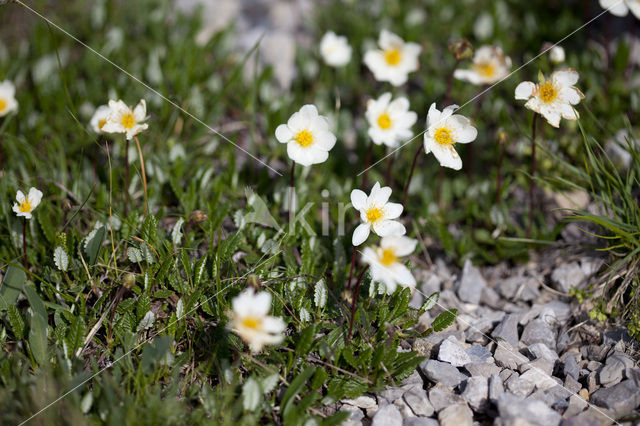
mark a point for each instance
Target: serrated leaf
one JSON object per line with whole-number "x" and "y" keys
{"x": 306, "y": 340}
{"x": 147, "y": 321}
{"x": 320, "y": 294}
{"x": 75, "y": 336}
{"x": 93, "y": 245}
{"x": 147, "y": 254}
{"x": 134, "y": 255}
{"x": 444, "y": 320}
{"x": 305, "y": 316}
{"x": 176, "y": 232}
{"x": 180, "y": 309}
{"x": 199, "y": 269}
{"x": 60, "y": 258}
{"x": 269, "y": 383}
{"x": 251, "y": 395}
{"x": 16, "y": 321}
{"x": 162, "y": 294}
{"x": 430, "y": 302}
{"x": 142, "y": 307}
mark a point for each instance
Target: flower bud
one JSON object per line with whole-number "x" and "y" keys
{"x": 461, "y": 49}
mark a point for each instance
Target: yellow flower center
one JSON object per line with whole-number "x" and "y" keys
{"x": 548, "y": 92}
{"x": 487, "y": 69}
{"x": 388, "y": 257}
{"x": 384, "y": 121}
{"x": 128, "y": 121}
{"x": 25, "y": 206}
{"x": 3, "y": 104}
{"x": 251, "y": 322}
{"x": 374, "y": 214}
{"x": 392, "y": 56}
{"x": 444, "y": 136}
{"x": 101, "y": 123}
{"x": 304, "y": 138}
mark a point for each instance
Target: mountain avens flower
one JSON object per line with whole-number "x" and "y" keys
{"x": 335, "y": 50}
{"x": 622, "y": 8}
{"x": 444, "y": 130}
{"x": 557, "y": 55}
{"x": 252, "y": 322}
{"x": 377, "y": 213}
{"x": 389, "y": 120}
{"x": 489, "y": 66}
{"x": 8, "y": 101}
{"x": 307, "y": 136}
{"x": 26, "y": 204}
{"x": 385, "y": 262}
{"x": 553, "y": 98}
{"x": 99, "y": 118}
{"x": 394, "y": 60}
{"x": 125, "y": 119}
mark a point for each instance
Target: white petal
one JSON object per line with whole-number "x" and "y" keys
{"x": 571, "y": 95}
{"x": 403, "y": 246}
{"x": 402, "y": 275}
{"x": 568, "y": 112}
{"x": 385, "y": 228}
{"x": 358, "y": 199}
{"x": 283, "y": 133}
{"x": 325, "y": 140}
{"x": 360, "y": 234}
{"x": 553, "y": 118}
{"x": 566, "y": 78}
{"x": 616, "y": 7}
{"x": 468, "y": 75}
{"x": 273, "y": 325}
{"x": 379, "y": 196}
{"x": 466, "y": 134}
{"x": 446, "y": 156}
{"x": 34, "y": 197}
{"x": 525, "y": 90}
{"x": 297, "y": 122}
{"x": 299, "y": 154}
{"x": 392, "y": 210}
{"x": 433, "y": 116}
{"x": 20, "y": 197}
{"x": 262, "y": 304}
{"x": 140, "y": 111}
{"x": 309, "y": 111}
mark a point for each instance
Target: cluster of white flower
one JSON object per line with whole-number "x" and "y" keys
{"x": 118, "y": 117}
{"x": 8, "y": 101}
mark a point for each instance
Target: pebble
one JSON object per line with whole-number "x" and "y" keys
{"x": 576, "y": 406}
{"x": 441, "y": 399}
{"x": 363, "y": 401}
{"x": 404, "y": 408}
{"x": 570, "y": 367}
{"x": 620, "y": 334}
{"x": 540, "y": 350}
{"x": 482, "y": 369}
{"x": 476, "y": 392}
{"x": 508, "y": 357}
{"x": 389, "y": 415}
{"x": 539, "y": 331}
{"x": 452, "y": 352}
{"x": 541, "y": 364}
{"x": 572, "y": 384}
{"x": 479, "y": 354}
{"x": 419, "y": 402}
{"x": 519, "y": 411}
{"x": 621, "y": 399}
{"x": 496, "y": 388}
{"x": 613, "y": 369}
{"x": 539, "y": 378}
{"x": 442, "y": 372}
{"x": 519, "y": 386}
{"x": 456, "y": 415}
{"x": 420, "y": 421}
{"x": 471, "y": 284}
{"x": 568, "y": 276}
{"x": 507, "y": 330}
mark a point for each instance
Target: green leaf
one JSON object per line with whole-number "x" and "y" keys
{"x": 16, "y": 321}
{"x": 430, "y": 302}
{"x": 36, "y": 303}
{"x": 294, "y": 388}
{"x": 251, "y": 394}
{"x": 12, "y": 284}
{"x": 306, "y": 340}
{"x": 444, "y": 320}
{"x": 75, "y": 336}
{"x": 93, "y": 246}
{"x": 320, "y": 294}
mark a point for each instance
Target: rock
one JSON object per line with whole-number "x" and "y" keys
{"x": 594, "y": 365}
{"x": 633, "y": 374}
{"x": 507, "y": 330}
{"x": 519, "y": 411}
{"x": 620, "y": 334}
{"x": 541, "y": 364}
{"x": 568, "y": 276}
{"x": 570, "y": 367}
{"x": 576, "y": 406}
{"x": 519, "y": 386}
{"x": 441, "y": 399}
{"x": 491, "y": 298}
{"x": 479, "y": 354}
{"x": 540, "y": 350}
{"x": 592, "y": 382}
{"x": 414, "y": 378}
{"x": 388, "y": 415}
{"x": 519, "y": 288}
{"x": 480, "y": 327}
{"x": 476, "y": 392}
{"x": 595, "y": 352}
{"x": 483, "y": 369}
{"x": 363, "y": 401}
{"x": 590, "y": 417}
{"x": 613, "y": 369}
{"x": 456, "y": 415}
{"x": 404, "y": 408}
{"x": 496, "y": 388}
{"x": 508, "y": 357}
{"x": 539, "y": 331}
{"x": 471, "y": 284}
{"x": 442, "y": 372}
{"x": 420, "y": 421}
{"x": 392, "y": 393}
{"x": 419, "y": 402}
{"x": 539, "y": 378}
{"x": 452, "y": 352}
{"x": 428, "y": 346}
{"x": 572, "y": 384}
{"x": 355, "y": 414}
{"x": 621, "y": 399}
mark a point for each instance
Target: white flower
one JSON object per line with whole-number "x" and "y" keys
{"x": 621, "y": 8}
{"x": 335, "y": 50}
{"x": 376, "y": 212}
{"x": 99, "y": 118}
{"x": 8, "y": 101}
{"x": 489, "y": 66}
{"x": 390, "y": 121}
{"x": 395, "y": 59}
{"x": 26, "y": 205}
{"x": 252, "y": 322}
{"x": 307, "y": 136}
{"x": 124, "y": 119}
{"x": 445, "y": 129}
{"x": 556, "y": 54}
{"x": 552, "y": 98}
{"x": 385, "y": 264}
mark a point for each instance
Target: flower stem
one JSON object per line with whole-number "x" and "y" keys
{"x": 439, "y": 190}
{"x": 24, "y": 244}
{"x": 450, "y": 84}
{"x": 367, "y": 162}
{"x": 387, "y": 173}
{"x": 353, "y": 261}
{"x": 353, "y": 302}
{"x": 413, "y": 166}
{"x": 292, "y": 186}
{"x": 144, "y": 176}
{"x": 499, "y": 174}
{"x": 532, "y": 174}
{"x": 127, "y": 180}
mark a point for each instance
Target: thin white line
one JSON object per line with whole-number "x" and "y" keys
{"x": 151, "y": 89}
{"x": 492, "y": 86}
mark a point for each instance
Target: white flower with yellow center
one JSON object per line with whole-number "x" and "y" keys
{"x": 335, "y": 49}
{"x": 395, "y": 59}
{"x": 385, "y": 262}
{"x": 444, "y": 130}
{"x": 127, "y": 120}
{"x": 552, "y": 98}
{"x": 8, "y": 101}
{"x": 377, "y": 213}
{"x": 99, "y": 118}
{"x": 27, "y": 204}
{"x": 390, "y": 121}
{"x": 489, "y": 66}
{"x": 622, "y": 8}
{"x": 307, "y": 136}
{"x": 252, "y": 322}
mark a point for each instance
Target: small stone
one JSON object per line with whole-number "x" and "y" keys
{"x": 540, "y": 350}
{"x": 568, "y": 276}
{"x": 590, "y": 417}
{"x": 620, "y": 334}
{"x": 491, "y": 298}
{"x": 594, "y": 365}
{"x": 419, "y": 402}
{"x": 471, "y": 283}
{"x": 576, "y": 406}
{"x": 538, "y": 364}
{"x": 633, "y": 374}
{"x": 538, "y": 331}
{"x": 519, "y": 387}
{"x": 482, "y": 369}
{"x": 392, "y": 393}
{"x": 442, "y": 372}
{"x": 572, "y": 384}
{"x": 612, "y": 372}
{"x": 595, "y": 352}
{"x": 414, "y": 378}
{"x": 507, "y": 330}
{"x": 456, "y": 415}
{"x": 388, "y": 415}
{"x": 441, "y": 399}
{"x": 478, "y": 328}
{"x": 452, "y": 352}
{"x": 584, "y": 394}
{"x": 479, "y": 354}
{"x": 404, "y": 408}
{"x": 363, "y": 401}
{"x": 475, "y": 392}
{"x": 539, "y": 378}
{"x": 508, "y": 357}
{"x": 557, "y": 396}
{"x": 519, "y": 411}
{"x": 355, "y": 414}
{"x": 621, "y": 399}
{"x": 570, "y": 367}
{"x": 419, "y": 421}
{"x": 496, "y": 388}
{"x": 592, "y": 382}
{"x": 428, "y": 346}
